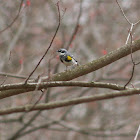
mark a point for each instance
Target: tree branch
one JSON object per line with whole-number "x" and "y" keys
{"x": 96, "y": 64}
{"x": 15, "y": 89}
{"x": 83, "y": 69}
{"x": 14, "y": 20}
{"x": 74, "y": 101}
{"x": 15, "y": 136}
{"x": 44, "y": 85}
{"x": 49, "y": 44}
{"x": 76, "y": 27}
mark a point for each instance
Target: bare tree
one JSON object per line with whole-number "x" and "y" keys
{"x": 99, "y": 99}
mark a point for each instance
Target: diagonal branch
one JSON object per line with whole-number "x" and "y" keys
{"x": 96, "y": 64}
{"x": 13, "y": 75}
{"x": 19, "y": 10}
{"x": 49, "y": 45}
{"x": 137, "y": 133}
{"x": 123, "y": 13}
{"x": 25, "y": 126}
{"x": 75, "y": 101}
{"x": 82, "y": 69}
{"x": 76, "y": 27}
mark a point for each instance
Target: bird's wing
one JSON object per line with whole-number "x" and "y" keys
{"x": 68, "y": 57}
{"x": 73, "y": 58}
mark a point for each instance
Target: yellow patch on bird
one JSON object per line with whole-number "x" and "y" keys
{"x": 69, "y": 58}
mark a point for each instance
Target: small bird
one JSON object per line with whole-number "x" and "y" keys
{"x": 66, "y": 58}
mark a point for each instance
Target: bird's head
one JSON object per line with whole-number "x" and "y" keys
{"x": 62, "y": 51}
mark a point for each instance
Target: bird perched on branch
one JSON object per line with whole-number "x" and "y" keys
{"x": 66, "y": 58}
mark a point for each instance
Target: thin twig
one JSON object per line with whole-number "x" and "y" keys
{"x": 80, "y": 130}
{"x": 123, "y": 13}
{"x": 36, "y": 128}
{"x": 74, "y": 101}
{"x": 18, "y": 133}
{"x": 137, "y": 133}
{"x": 49, "y": 45}
{"x": 129, "y": 36}
{"x": 13, "y": 76}
{"x": 28, "y": 123}
{"x": 76, "y": 27}
{"x": 14, "y": 20}
{"x": 5, "y": 78}
{"x": 63, "y": 117}
{"x": 43, "y": 92}
{"x": 133, "y": 62}
{"x": 136, "y": 22}
{"x": 131, "y": 28}
{"x": 131, "y": 49}
{"x": 133, "y": 69}
{"x": 126, "y": 16}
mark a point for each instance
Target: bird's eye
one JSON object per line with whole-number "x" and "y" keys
{"x": 62, "y": 51}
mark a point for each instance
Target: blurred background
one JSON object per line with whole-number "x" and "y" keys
{"x": 95, "y": 27}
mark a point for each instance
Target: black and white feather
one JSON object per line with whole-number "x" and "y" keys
{"x": 66, "y": 58}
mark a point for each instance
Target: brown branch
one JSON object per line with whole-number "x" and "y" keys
{"x": 126, "y": 16}
{"x": 76, "y": 27}
{"x": 133, "y": 62}
{"x": 137, "y": 22}
{"x": 36, "y": 128}
{"x": 88, "y": 131}
{"x": 80, "y": 130}
{"x": 28, "y": 123}
{"x": 63, "y": 117}
{"x": 13, "y": 76}
{"x": 82, "y": 69}
{"x": 133, "y": 68}
{"x": 40, "y": 97}
{"x": 131, "y": 23}
{"x": 11, "y": 90}
{"x": 14, "y": 20}
{"x": 75, "y": 101}
{"x": 49, "y": 45}
{"x": 96, "y": 64}
{"x": 132, "y": 73}
{"x": 84, "y": 131}
{"x": 129, "y": 35}
{"x": 43, "y": 85}
{"x": 123, "y": 13}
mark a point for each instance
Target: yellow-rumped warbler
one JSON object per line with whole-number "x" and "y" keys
{"x": 66, "y": 58}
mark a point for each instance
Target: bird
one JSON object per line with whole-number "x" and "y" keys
{"x": 66, "y": 58}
